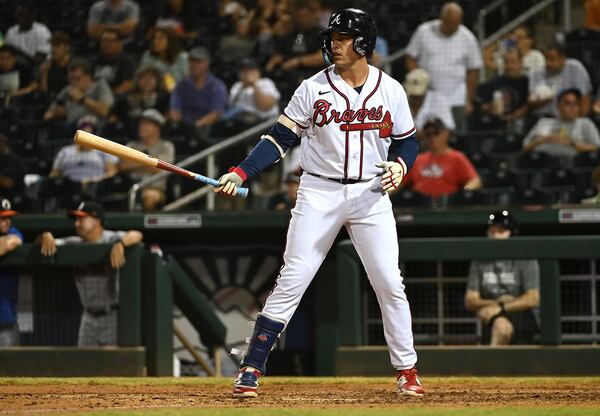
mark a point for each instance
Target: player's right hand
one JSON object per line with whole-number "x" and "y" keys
{"x": 228, "y": 184}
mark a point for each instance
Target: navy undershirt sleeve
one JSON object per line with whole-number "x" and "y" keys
{"x": 407, "y": 149}
{"x": 265, "y": 153}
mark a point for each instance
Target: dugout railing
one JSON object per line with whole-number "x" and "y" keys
{"x": 149, "y": 286}
{"x": 341, "y": 321}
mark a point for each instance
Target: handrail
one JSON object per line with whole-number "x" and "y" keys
{"x": 519, "y": 20}
{"x": 482, "y": 15}
{"x": 230, "y": 141}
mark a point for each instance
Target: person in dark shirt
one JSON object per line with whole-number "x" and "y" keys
{"x": 504, "y": 294}
{"x": 505, "y": 96}
{"x": 113, "y": 65}
{"x": 10, "y": 239}
{"x": 11, "y": 171}
{"x": 53, "y": 72}
{"x": 286, "y": 200}
{"x": 16, "y": 78}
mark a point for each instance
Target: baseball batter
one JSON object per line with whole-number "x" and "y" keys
{"x": 358, "y": 144}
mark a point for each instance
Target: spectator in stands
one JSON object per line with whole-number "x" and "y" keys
{"x": 178, "y": 16}
{"x": 148, "y": 92}
{"x": 592, "y": 14}
{"x": 286, "y": 200}
{"x": 532, "y": 59}
{"x": 16, "y": 77}
{"x": 198, "y": 100}
{"x": 120, "y": 15}
{"x": 596, "y": 181}
{"x": 560, "y": 73}
{"x": 165, "y": 54}
{"x": 273, "y": 21}
{"x": 504, "y": 294}
{"x": 505, "y": 96}
{"x": 28, "y": 36}
{"x": 83, "y": 96}
{"x": 441, "y": 170}
{"x": 150, "y": 142}
{"x": 12, "y": 171}
{"x": 53, "y": 72}
{"x": 425, "y": 103}
{"x": 252, "y": 98}
{"x": 10, "y": 239}
{"x": 450, "y": 53}
{"x": 565, "y": 135}
{"x": 82, "y": 165}
{"x": 596, "y": 108}
{"x": 112, "y": 65}
{"x": 98, "y": 285}
{"x": 241, "y": 44}
{"x": 298, "y": 52}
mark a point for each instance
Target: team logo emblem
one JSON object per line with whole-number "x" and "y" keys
{"x": 368, "y": 118}
{"x": 262, "y": 337}
{"x": 337, "y": 20}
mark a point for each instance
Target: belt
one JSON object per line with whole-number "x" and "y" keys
{"x": 101, "y": 311}
{"x": 342, "y": 181}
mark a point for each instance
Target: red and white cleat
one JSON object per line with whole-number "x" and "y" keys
{"x": 409, "y": 383}
{"x": 246, "y": 383}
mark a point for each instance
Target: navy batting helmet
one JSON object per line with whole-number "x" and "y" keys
{"x": 504, "y": 219}
{"x": 351, "y": 22}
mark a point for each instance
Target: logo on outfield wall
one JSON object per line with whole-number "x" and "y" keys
{"x": 237, "y": 279}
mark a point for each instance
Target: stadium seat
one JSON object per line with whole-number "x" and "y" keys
{"x": 586, "y": 160}
{"x": 498, "y": 187}
{"x": 530, "y": 196}
{"x": 465, "y": 198}
{"x": 408, "y": 198}
{"x": 560, "y": 185}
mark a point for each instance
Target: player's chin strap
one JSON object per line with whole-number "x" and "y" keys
{"x": 266, "y": 331}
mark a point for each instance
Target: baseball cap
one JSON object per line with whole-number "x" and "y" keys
{"x": 248, "y": 63}
{"x": 417, "y": 82}
{"x": 87, "y": 122}
{"x": 153, "y": 115}
{"x": 6, "y": 209}
{"x": 199, "y": 53}
{"x": 85, "y": 209}
{"x": 503, "y": 219}
{"x": 434, "y": 123}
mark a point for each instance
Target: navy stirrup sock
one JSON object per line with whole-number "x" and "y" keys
{"x": 266, "y": 332}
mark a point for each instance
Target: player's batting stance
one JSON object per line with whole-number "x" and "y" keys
{"x": 359, "y": 143}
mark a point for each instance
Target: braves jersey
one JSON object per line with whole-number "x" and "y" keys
{"x": 346, "y": 132}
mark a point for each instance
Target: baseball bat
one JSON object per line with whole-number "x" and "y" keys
{"x": 123, "y": 152}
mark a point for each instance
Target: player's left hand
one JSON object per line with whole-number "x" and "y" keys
{"x": 392, "y": 177}
{"x": 229, "y": 183}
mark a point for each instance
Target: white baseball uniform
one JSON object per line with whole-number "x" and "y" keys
{"x": 320, "y": 108}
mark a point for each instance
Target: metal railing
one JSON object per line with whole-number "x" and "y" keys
{"x": 208, "y": 154}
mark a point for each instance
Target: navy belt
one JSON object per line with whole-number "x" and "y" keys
{"x": 342, "y": 181}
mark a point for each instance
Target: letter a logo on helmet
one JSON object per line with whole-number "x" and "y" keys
{"x": 353, "y": 22}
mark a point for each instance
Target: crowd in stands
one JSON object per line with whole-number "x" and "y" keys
{"x": 172, "y": 77}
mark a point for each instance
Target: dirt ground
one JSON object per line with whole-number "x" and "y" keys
{"x": 20, "y": 399}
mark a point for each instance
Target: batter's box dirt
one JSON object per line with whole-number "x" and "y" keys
{"x": 33, "y": 396}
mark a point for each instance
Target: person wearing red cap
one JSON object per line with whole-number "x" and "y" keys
{"x": 10, "y": 239}
{"x": 98, "y": 285}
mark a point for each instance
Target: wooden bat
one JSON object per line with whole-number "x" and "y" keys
{"x": 123, "y": 152}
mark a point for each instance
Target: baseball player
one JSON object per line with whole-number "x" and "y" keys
{"x": 358, "y": 144}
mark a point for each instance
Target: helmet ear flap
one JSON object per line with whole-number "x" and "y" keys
{"x": 326, "y": 49}
{"x": 359, "y": 45}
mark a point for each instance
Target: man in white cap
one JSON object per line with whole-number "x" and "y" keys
{"x": 425, "y": 103}
{"x": 10, "y": 239}
{"x": 150, "y": 142}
